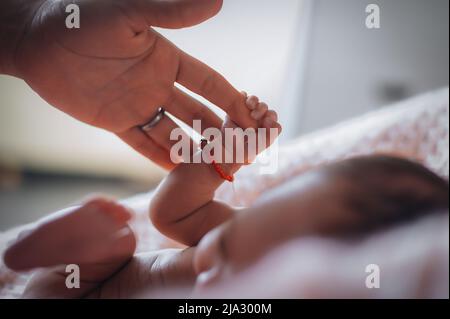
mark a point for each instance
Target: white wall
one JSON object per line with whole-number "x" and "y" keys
{"x": 350, "y": 69}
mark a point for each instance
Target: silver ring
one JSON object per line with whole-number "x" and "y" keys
{"x": 155, "y": 120}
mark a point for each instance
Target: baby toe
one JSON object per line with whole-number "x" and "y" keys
{"x": 252, "y": 102}
{"x": 260, "y": 111}
{"x": 273, "y": 115}
{"x": 268, "y": 122}
{"x": 108, "y": 208}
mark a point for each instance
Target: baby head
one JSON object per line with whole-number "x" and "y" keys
{"x": 384, "y": 191}
{"x": 354, "y": 197}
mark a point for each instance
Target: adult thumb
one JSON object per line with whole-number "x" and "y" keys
{"x": 175, "y": 14}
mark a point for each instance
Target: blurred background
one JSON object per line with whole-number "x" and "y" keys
{"x": 314, "y": 61}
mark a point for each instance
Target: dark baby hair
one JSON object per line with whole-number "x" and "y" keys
{"x": 387, "y": 191}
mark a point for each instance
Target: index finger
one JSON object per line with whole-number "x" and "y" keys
{"x": 203, "y": 80}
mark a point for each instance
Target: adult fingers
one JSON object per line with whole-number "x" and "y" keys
{"x": 156, "y": 142}
{"x": 188, "y": 109}
{"x": 166, "y": 133}
{"x": 175, "y": 14}
{"x": 146, "y": 146}
{"x": 203, "y": 80}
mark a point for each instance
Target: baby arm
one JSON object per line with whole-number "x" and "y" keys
{"x": 183, "y": 207}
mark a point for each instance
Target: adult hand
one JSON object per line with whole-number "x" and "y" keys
{"x": 164, "y": 273}
{"x": 114, "y": 72}
{"x": 95, "y": 236}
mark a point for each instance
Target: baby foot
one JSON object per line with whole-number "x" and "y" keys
{"x": 265, "y": 118}
{"x": 95, "y": 237}
{"x": 97, "y": 232}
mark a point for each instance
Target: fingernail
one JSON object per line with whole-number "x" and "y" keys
{"x": 268, "y": 122}
{"x": 255, "y": 115}
{"x": 274, "y": 116}
{"x": 250, "y": 105}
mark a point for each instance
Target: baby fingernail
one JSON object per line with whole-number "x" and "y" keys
{"x": 268, "y": 122}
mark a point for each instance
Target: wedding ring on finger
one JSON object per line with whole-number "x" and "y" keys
{"x": 155, "y": 120}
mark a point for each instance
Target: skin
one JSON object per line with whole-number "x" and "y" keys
{"x": 96, "y": 237}
{"x": 116, "y": 71}
{"x": 291, "y": 210}
{"x": 195, "y": 212}
{"x": 148, "y": 274}
{"x": 311, "y": 205}
{"x": 110, "y": 269}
